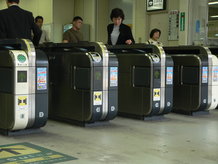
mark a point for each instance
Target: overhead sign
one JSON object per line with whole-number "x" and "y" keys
{"x": 182, "y": 21}
{"x": 27, "y": 153}
{"x": 173, "y": 31}
{"x": 153, "y": 5}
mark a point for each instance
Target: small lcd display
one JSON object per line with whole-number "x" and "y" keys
{"x": 97, "y": 75}
{"x": 22, "y": 76}
{"x": 157, "y": 74}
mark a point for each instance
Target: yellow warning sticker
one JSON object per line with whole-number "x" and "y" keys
{"x": 22, "y": 100}
{"x": 97, "y": 98}
{"x": 156, "y": 94}
{"x": 12, "y": 151}
{"x": 37, "y": 160}
{"x": 27, "y": 153}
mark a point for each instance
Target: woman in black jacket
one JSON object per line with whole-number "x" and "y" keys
{"x": 119, "y": 33}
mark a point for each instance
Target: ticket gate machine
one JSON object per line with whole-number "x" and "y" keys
{"x": 145, "y": 80}
{"x": 23, "y": 87}
{"x": 192, "y": 79}
{"x": 83, "y": 83}
{"x": 214, "y": 51}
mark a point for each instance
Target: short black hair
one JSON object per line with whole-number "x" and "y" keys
{"x": 38, "y": 17}
{"x": 153, "y": 31}
{"x": 77, "y": 18}
{"x": 117, "y": 12}
{"x": 16, "y": 1}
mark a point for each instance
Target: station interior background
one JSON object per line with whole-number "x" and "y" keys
{"x": 199, "y": 27}
{"x": 177, "y": 139}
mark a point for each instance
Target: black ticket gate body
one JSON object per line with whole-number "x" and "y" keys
{"x": 214, "y": 50}
{"x": 192, "y": 79}
{"x": 83, "y": 83}
{"x": 23, "y": 90}
{"x": 143, "y": 91}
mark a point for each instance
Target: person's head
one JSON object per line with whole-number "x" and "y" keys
{"x": 117, "y": 16}
{"x": 39, "y": 21}
{"x": 10, "y": 2}
{"x": 155, "y": 34}
{"x": 77, "y": 22}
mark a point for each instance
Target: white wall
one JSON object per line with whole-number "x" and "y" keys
{"x": 102, "y": 20}
{"x": 87, "y": 10}
{"x": 126, "y": 6}
{"x": 183, "y": 35}
{"x": 2, "y": 4}
{"x": 198, "y": 12}
{"x": 173, "y": 5}
{"x": 159, "y": 19}
{"x": 139, "y": 25}
{"x": 63, "y": 13}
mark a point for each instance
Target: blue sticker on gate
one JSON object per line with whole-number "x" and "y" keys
{"x": 169, "y": 76}
{"x": 113, "y": 76}
{"x": 204, "y": 74}
{"x": 215, "y": 74}
{"x": 41, "y": 78}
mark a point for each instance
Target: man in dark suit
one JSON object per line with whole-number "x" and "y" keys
{"x": 18, "y": 23}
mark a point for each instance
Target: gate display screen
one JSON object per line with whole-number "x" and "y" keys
{"x": 97, "y": 75}
{"x": 22, "y": 76}
{"x": 157, "y": 74}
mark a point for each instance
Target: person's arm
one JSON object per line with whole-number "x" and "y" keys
{"x": 147, "y": 42}
{"x": 160, "y": 44}
{"x": 36, "y": 32}
{"x": 130, "y": 39}
{"x": 66, "y": 37}
{"x": 65, "y": 41}
{"x": 2, "y": 28}
{"x": 109, "y": 35}
{"x": 46, "y": 37}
